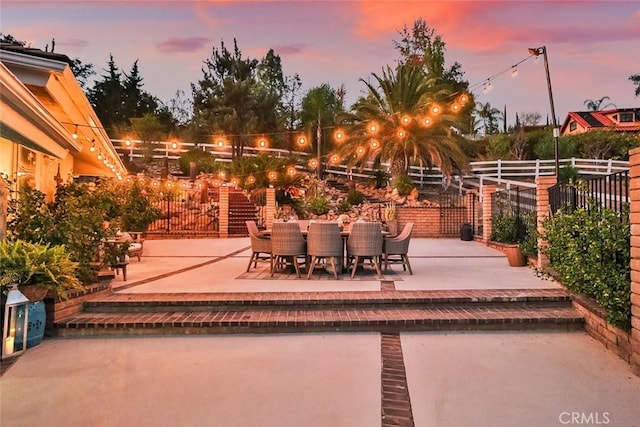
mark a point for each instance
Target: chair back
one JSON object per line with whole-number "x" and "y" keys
{"x": 365, "y": 239}
{"x": 324, "y": 239}
{"x": 399, "y": 245}
{"x": 287, "y": 239}
{"x": 258, "y": 243}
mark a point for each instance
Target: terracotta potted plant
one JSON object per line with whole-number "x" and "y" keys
{"x": 505, "y": 236}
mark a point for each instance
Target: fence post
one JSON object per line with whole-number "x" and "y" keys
{"x": 223, "y": 209}
{"x": 542, "y": 212}
{"x": 270, "y": 206}
{"x": 487, "y": 211}
{"x": 634, "y": 221}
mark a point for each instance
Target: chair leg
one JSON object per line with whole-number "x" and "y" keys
{"x": 376, "y": 263}
{"x": 273, "y": 265}
{"x": 295, "y": 265}
{"x": 354, "y": 267}
{"x": 406, "y": 258}
{"x": 332, "y": 260}
{"x": 386, "y": 262}
{"x": 314, "y": 259}
{"x": 250, "y": 261}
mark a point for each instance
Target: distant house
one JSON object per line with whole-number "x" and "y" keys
{"x": 618, "y": 119}
{"x": 48, "y": 130}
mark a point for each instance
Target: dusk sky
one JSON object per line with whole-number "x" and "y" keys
{"x": 593, "y": 46}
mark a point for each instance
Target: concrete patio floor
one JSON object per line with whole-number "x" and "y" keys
{"x": 454, "y": 379}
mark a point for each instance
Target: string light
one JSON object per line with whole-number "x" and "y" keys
{"x": 514, "y": 72}
{"x": 74, "y": 135}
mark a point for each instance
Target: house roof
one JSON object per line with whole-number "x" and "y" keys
{"x": 600, "y": 120}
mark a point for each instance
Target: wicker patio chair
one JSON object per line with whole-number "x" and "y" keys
{"x": 260, "y": 246}
{"x": 324, "y": 241}
{"x": 365, "y": 242}
{"x": 396, "y": 249}
{"x": 287, "y": 244}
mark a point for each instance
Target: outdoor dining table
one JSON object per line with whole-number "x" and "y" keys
{"x": 344, "y": 232}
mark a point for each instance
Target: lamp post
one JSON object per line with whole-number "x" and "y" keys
{"x": 556, "y": 132}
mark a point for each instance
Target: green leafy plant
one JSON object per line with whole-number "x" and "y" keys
{"x": 138, "y": 211}
{"x": 344, "y": 206}
{"x": 589, "y": 251}
{"x": 529, "y": 242}
{"x": 49, "y": 267}
{"x": 504, "y": 228}
{"x": 318, "y": 205}
{"x": 403, "y": 184}
{"x": 355, "y": 197}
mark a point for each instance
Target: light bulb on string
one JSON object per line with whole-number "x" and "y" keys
{"x": 74, "y": 135}
{"x": 514, "y": 72}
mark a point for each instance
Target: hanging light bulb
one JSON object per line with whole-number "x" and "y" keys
{"x": 374, "y": 144}
{"x": 291, "y": 170}
{"x": 338, "y": 135}
{"x": 427, "y": 121}
{"x": 360, "y": 151}
{"x": 487, "y": 86}
{"x": 435, "y": 109}
{"x": 464, "y": 98}
{"x": 406, "y": 119}
{"x": 174, "y": 145}
{"x": 455, "y": 107}
{"x": 272, "y": 175}
{"x": 514, "y": 72}
{"x": 127, "y": 142}
{"x": 302, "y": 140}
{"x": 93, "y": 146}
{"x": 313, "y": 163}
{"x": 99, "y": 155}
{"x": 373, "y": 127}
{"x": 401, "y": 133}
{"x": 75, "y": 133}
{"x": 251, "y": 179}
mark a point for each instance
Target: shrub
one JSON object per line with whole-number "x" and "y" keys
{"x": 403, "y": 184}
{"x": 355, "y": 197}
{"x": 318, "y": 205}
{"x": 379, "y": 179}
{"x": 589, "y": 249}
{"x": 344, "y": 206}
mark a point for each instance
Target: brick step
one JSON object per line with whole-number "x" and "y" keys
{"x": 295, "y": 320}
{"x": 327, "y": 300}
{"x": 278, "y": 312}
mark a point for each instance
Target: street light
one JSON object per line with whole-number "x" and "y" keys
{"x": 556, "y": 132}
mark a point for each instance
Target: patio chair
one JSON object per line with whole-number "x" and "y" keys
{"x": 287, "y": 244}
{"x": 324, "y": 241}
{"x": 260, "y": 246}
{"x": 396, "y": 249}
{"x": 135, "y": 244}
{"x": 365, "y": 242}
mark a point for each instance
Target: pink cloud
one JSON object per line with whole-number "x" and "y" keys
{"x": 290, "y": 49}
{"x": 72, "y": 43}
{"x": 179, "y": 45}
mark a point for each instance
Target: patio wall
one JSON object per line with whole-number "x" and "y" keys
{"x": 426, "y": 220}
{"x": 634, "y": 219}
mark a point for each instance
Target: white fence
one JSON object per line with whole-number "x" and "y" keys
{"x": 505, "y": 172}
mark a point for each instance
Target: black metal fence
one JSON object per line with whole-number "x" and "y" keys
{"x": 453, "y": 213}
{"x": 519, "y": 205}
{"x": 609, "y": 192}
{"x": 187, "y": 213}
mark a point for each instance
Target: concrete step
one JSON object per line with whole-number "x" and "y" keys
{"x": 386, "y": 311}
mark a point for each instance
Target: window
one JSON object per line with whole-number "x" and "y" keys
{"x": 573, "y": 126}
{"x": 626, "y": 117}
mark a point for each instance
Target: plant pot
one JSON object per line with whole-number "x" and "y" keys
{"x": 392, "y": 227}
{"x": 34, "y": 293}
{"x": 35, "y": 326}
{"x": 515, "y": 256}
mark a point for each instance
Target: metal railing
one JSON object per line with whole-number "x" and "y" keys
{"x": 609, "y": 192}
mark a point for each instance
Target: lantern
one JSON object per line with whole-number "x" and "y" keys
{"x": 16, "y": 315}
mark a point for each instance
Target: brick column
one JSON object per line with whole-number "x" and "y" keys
{"x": 270, "y": 206}
{"x": 634, "y": 220}
{"x": 542, "y": 212}
{"x": 487, "y": 211}
{"x": 471, "y": 210}
{"x": 223, "y": 208}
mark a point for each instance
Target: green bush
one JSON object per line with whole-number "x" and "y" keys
{"x": 344, "y": 206}
{"x": 379, "y": 179}
{"x": 138, "y": 211}
{"x": 355, "y": 197}
{"x": 403, "y": 184}
{"x": 318, "y": 205}
{"x": 590, "y": 251}
{"x": 504, "y": 228}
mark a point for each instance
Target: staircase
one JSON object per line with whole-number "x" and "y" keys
{"x": 280, "y": 312}
{"x": 241, "y": 209}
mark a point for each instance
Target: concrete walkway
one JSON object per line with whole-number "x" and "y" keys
{"x": 454, "y": 379}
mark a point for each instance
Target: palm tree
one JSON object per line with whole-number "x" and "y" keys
{"x": 597, "y": 104}
{"x": 320, "y": 105}
{"x": 489, "y": 116}
{"x": 407, "y": 128}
